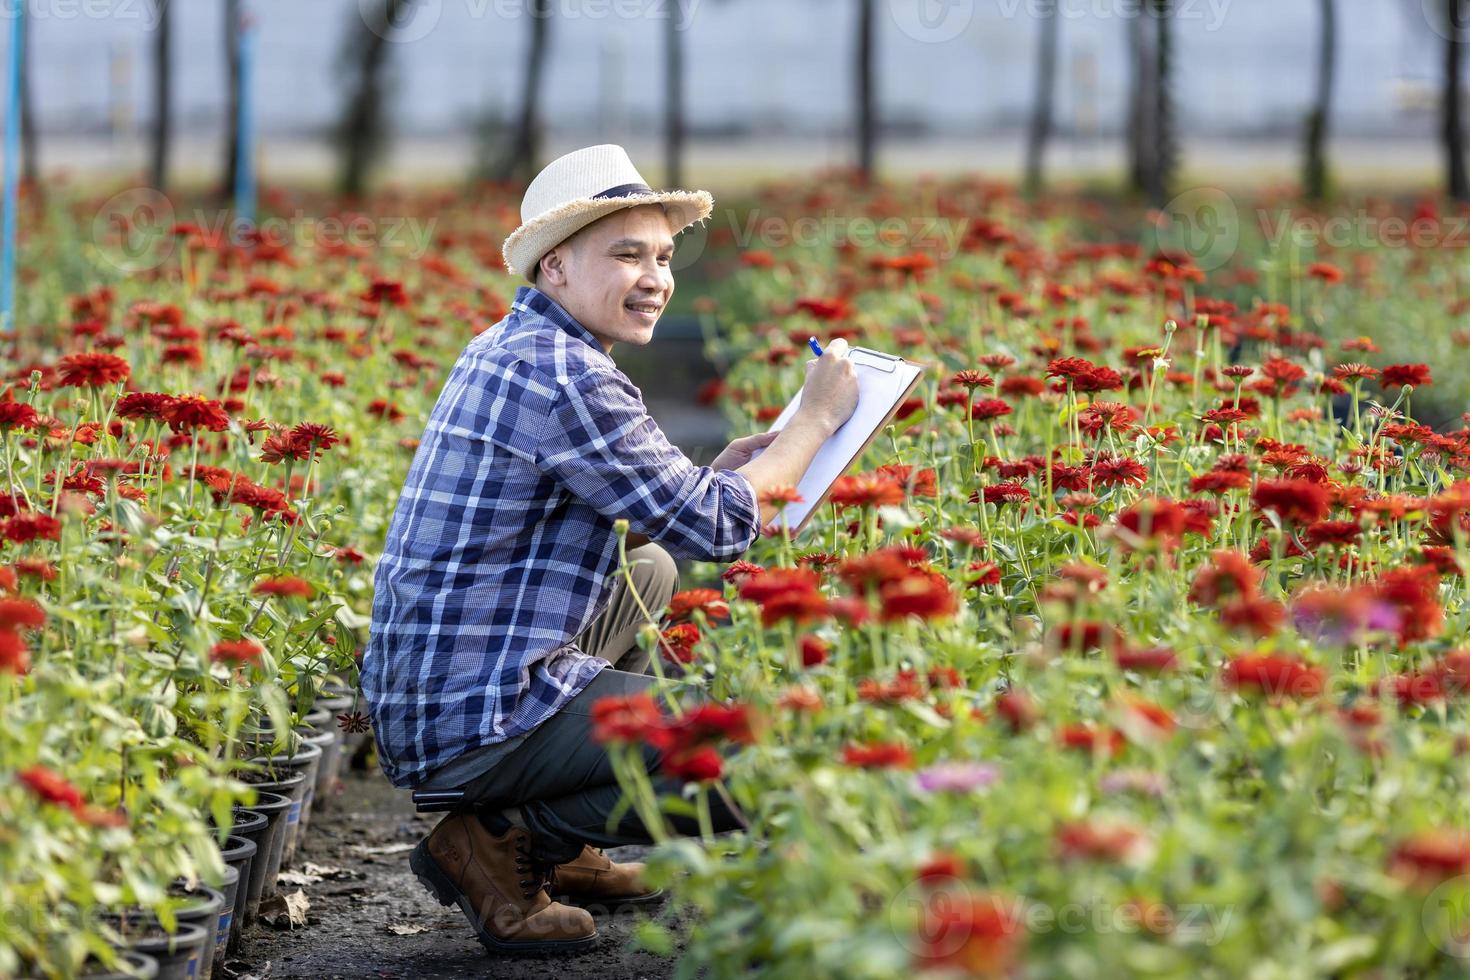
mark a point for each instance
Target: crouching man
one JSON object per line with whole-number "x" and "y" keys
{"x": 498, "y": 620}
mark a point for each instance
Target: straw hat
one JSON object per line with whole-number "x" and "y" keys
{"x": 575, "y": 190}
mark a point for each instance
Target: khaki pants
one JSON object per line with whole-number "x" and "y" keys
{"x": 613, "y": 635}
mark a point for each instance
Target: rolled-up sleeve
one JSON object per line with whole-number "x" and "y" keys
{"x": 602, "y": 446}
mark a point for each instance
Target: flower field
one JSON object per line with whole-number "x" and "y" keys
{"x": 1139, "y": 645}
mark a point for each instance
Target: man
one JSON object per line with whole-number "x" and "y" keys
{"x": 497, "y": 623}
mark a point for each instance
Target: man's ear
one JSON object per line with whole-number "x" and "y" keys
{"x": 552, "y": 268}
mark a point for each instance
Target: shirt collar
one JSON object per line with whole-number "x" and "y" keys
{"x": 532, "y": 300}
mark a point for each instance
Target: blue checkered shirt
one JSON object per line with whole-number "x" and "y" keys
{"x": 502, "y": 549}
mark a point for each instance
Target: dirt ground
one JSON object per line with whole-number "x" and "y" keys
{"x": 371, "y": 918}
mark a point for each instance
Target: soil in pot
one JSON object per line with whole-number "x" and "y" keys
{"x": 180, "y": 955}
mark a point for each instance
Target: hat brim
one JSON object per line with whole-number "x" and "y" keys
{"x": 525, "y": 246}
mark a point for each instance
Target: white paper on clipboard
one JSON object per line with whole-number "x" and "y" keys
{"x": 883, "y": 380}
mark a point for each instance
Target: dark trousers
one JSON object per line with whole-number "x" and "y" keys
{"x": 560, "y": 778}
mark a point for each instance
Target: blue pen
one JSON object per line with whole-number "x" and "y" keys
{"x": 816, "y": 347}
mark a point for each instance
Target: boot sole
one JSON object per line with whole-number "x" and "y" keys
{"x": 609, "y": 904}
{"x": 446, "y": 893}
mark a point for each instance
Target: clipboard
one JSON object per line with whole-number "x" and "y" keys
{"x": 884, "y": 381}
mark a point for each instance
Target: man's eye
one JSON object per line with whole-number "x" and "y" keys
{"x": 665, "y": 259}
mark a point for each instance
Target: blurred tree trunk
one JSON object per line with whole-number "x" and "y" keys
{"x": 1151, "y": 122}
{"x": 866, "y": 135}
{"x": 1161, "y": 177}
{"x": 1314, "y": 177}
{"x": 30, "y": 166}
{"x": 361, "y": 133}
{"x": 232, "y": 99}
{"x": 674, "y": 97}
{"x": 1139, "y": 95}
{"x": 1041, "y": 110}
{"x": 162, "y": 92}
{"x": 522, "y": 155}
{"x": 1454, "y": 132}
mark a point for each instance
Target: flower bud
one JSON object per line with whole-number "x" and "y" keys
{"x": 620, "y": 526}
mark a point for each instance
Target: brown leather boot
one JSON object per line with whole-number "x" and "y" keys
{"x": 592, "y": 878}
{"x": 494, "y": 882}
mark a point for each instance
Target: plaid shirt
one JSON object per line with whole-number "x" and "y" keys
{"x": 502, "y": 542}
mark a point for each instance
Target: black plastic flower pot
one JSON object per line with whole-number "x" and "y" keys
{"x": 139, "y": 966}
{"x": 331, "y": 747}
{"x": 204, "y": 911}
{"x": 131, "y": 966}
{"x": 180, "y": 955}
{"x": 276, "y": 805}
{"x": 236, "y": 879}
{"x": 303, "y": 763}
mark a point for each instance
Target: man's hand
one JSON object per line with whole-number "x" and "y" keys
{"x": 738, "y": 453}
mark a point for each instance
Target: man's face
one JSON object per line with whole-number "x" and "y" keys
{"x": 614, "y": 276}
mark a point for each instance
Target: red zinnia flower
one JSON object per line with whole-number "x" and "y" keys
{"x": 242, "y": 651}
{"x": 50, "y": 787}
{"x": 711, "y": 602}
{"x": 286, "y": 585}
{"x": 1293, "y": 501}
{"x": 678, "y": 642}
{"x": 878, "y": 755}
{"x": 635, "y": 718}
{"x": 92, "y": 370}
{"x": 195, "y": 412}
{"x": 1277, "y": 677}
{"x": 1398, "y": 375}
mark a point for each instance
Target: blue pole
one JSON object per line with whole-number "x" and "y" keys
{"x": 12, "y": 153}
{"x": 245, "y": 164}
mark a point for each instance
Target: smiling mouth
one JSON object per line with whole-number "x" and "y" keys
{"x": 647, "y": 309}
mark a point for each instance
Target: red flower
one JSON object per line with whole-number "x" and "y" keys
{"x": 684, "y": 604}
{"x": 1293, "y": 501}
{"x": 678, "y": 642}
{"x": 1097, "y": 842}
{"x": 1154, "y": 519}
{"x": 814, "y": 650}
{"x": 989, "y": 408}
{"x": 1151, "y": 661}
{"x": 28, "y": 527}
{"x": 632, "y": 719}
{"x": 1413, "y": 592}
{"x": 51, "y": 787}
{"x": 925, "y": 594}
{"x": 194, "y": 412}
{"x": 242, "y": 651}
{"x": 315, "y": 436}
{"x": 1017, "y": 708}
{"x": 19, "y": 614}
{"x": 699, "y": 764}
{"x": 1431, "y": 857}
{"x": 92, "y": 370}
{"x": 1277, "y": 677}
{"x": 970, "y": 935}
{"x": 14, "y": 657}
{"x": 286, "y": 585}
{"x": 786, "y": 593}
{"x": 1398, "y": 375}
{"x": 1106, "y": 741}
{"x": 878, "y": 755}
{"x": 865, "y": 490}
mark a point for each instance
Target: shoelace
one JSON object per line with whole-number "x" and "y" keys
{"x": 536, "y": 874}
